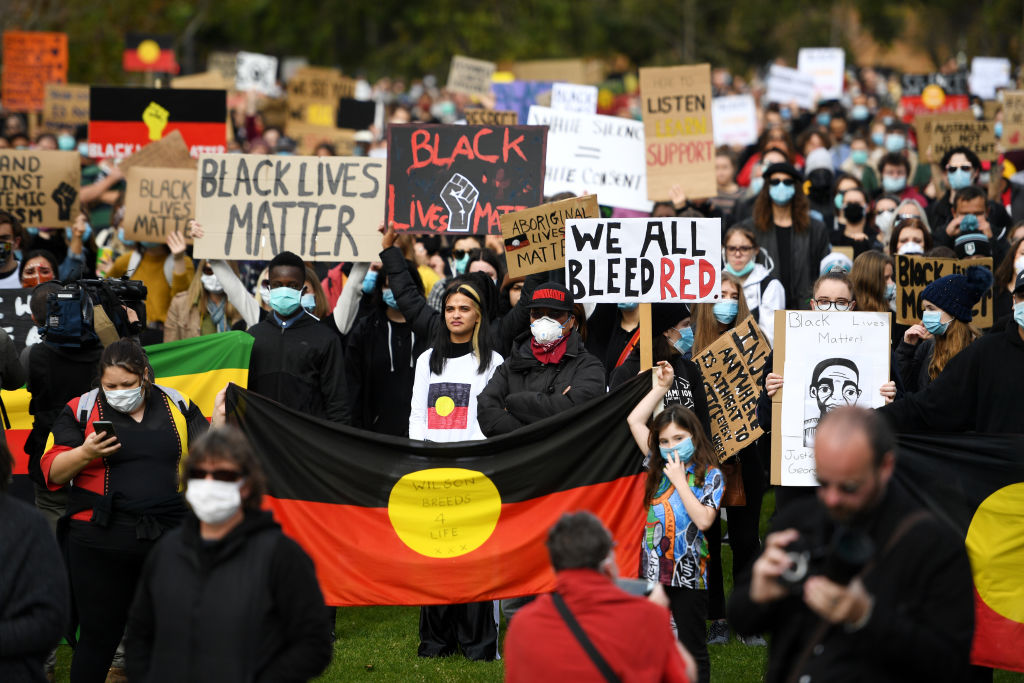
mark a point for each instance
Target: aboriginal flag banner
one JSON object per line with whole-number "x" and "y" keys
{"x": 975, "y": 482}
{"x": 389, "y": 521}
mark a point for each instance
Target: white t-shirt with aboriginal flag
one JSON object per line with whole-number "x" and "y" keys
{"x": 444, "y": 406}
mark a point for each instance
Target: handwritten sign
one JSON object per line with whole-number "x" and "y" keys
{"x": 16, "y": 319}
{"x": 314, "y": 92}
{"x": 787, "y": 86}
{"x": 535, "y": 238}
{"x": 988, "y": 74}
{"x": 942, "y": 132}
{"x": 826, "y": 65}
{"x": 256, "y": 72}
{"x": 1013, "y": 119}
{"x": 587, "y": 71}
{"x": 321, "y": 208}
{"x": 65, "y": 104}
{"x": 471, "y": 76}
{"x": 460, "y": 179}
{"x": 31, "y": 60}
{"x": 602, "y": 155}
{"x": 732, "y": 367}
{"x": 680, "y": 147}
{"x": 157, "y": 202}
{"x": 644, "y": 260}
{"x": 829, "y": 360}
{"x": 40, "y": 188}
{"x": 734, "y": 120}
{"x": 914, "y": 273}
{"x": 490, "y": 117}
{"x": 572, "y": 97}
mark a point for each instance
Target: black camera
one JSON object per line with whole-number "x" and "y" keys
{"x": 71, "y": 311}
{"x": 842, "y": 558}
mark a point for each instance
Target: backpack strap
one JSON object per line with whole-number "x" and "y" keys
{"x": 86, "y": 402}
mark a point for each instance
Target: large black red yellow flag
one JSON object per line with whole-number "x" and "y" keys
{"x": 123, "y": 120}
{"x": 976, "y": 483}
{"x": 389, "y": 521}
{"x": 147, "y": 52}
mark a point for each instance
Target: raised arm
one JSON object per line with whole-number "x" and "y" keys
{"x": 235, "y": 291}
{"x": 637, "y": 420}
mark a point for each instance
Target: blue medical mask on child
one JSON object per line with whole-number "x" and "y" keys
{"x": 308, "y": 302}
{"x": 682, "y": 451}
{"x": 932, "y": 321}
{"x": 725, "y": 311}
{"x": 369, "y": 281}
{"x": 782, "y": 194}
{"x": 959, "y": 179}
{"x": 685, "y": 341}
{"x": 628, "y": 306}
{"x": 969, "y": 223}
{"x": 285, "y": 300}
{"x": 389, "y": 298}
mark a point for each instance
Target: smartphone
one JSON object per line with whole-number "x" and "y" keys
{"x": 104, "y": 428}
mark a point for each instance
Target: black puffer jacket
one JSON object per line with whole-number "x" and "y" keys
{"x": 524, "y": 390}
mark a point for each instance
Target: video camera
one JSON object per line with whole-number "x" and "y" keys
{"x": 840, "y": 560}
{"x": 90, "y": 312}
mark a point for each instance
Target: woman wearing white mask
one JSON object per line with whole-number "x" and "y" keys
{"x": 910, "y": 236}
{"x": 120, "y": 447}
{"x": 246, "y": 582}
{"x": 885, "y": 216}
{"x": 201, "y": 309}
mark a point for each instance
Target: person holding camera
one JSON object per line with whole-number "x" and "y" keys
{"x": 859, "y": 583}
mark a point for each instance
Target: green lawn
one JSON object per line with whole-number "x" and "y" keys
{"x": 379, "y": 644}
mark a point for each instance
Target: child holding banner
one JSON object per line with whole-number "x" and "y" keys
{"x": 683, "y": 492}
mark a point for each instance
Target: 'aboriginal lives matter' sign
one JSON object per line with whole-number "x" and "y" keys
{"x": 460, "y": 179}
{"x": 535, "y": 238}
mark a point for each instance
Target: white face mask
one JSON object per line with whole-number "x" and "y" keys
{"x": 211, "y": 283}
{"x": 1018, "y": 265}
{"x": 124, "y": 400}
{"x": 911, "y": 248}
{"x": 214, "y": 502}
{"x": 546, "y": 330}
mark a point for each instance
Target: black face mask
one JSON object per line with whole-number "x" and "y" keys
{"x": 853, "y": 213}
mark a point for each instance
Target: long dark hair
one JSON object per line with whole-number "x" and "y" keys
{"x": 703, "y": 452}
{"x": 128, "y": 355}
{"x": 800, "y": 208}
{"x": 1005, "y": 272}
{"x": 442, "y": 346}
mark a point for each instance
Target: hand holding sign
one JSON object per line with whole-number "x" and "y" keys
{"x": 459, "y": 196}
{"x": 65, "y": 196}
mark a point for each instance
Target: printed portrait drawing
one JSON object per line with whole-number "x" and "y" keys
{"x": 834, "y": 382}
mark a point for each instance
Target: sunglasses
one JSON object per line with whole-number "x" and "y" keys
{"x": 207, "y": 270}
{"x": 788, "y": 182}
{"x": 953, "y": 169}
{"x": 218, "y": 475}
{"x": 459, "y": 253}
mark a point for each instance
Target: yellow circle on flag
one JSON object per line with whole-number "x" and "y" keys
{"x": 445, "y": 511}
{"x": 148, "y": 51}
{"x": 995, "y": 544}
{"x": 933, "y": 96}
{"x": 444, "y": 405}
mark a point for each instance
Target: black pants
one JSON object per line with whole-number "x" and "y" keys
{"x": 473, "y": 626}
{"x": 744, "y": 534}
{"x": 105, "y": 567}
{"x": 690, "y": 610}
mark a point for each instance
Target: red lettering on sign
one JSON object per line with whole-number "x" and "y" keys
{"x": 490, "y": 158}
{"x": 420, "y": 140}
{"x": 707, "y": 278}
{"x": 666, "y": 276}
{"x": 684, "y": 282}
{"x": 514, "y": 146}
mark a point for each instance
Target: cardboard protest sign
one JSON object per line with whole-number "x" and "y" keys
{"x": 308, "y": 136}
{"x": 490, "y": 117}
{"x": 356, "y": 114}
{"x": 602, "y": 155}
{"x": 207, "y": 80}
{"x": 257, "y": 72}
{"x": 519, "y": 96}
{"x": 942, "y": 132}
{"x": 321, "y": 208}
{"x": 31, "y": 59}
{"x": 224, "y": 63}
{"x": 319, "y": 84}
{"x": 988, "y": 74}
{"x": 40, "y": 188}
{"x": 734, "y": 120}
{"x": 535, "y": 238}
{"x": 732, "y": 367}
{"x": 572, "y": 97}
{"x": 1013, "y": 119}
{"x": 470, "y": 76}
{"x": 586, "y": 71}
{"x": 460, "y": 179}
{"x": 676, "y": 103}
{"x": 16, "y": 318}
{"x": 644, "y": 260}
{"x": 157, "y": 201}
{"x": 935, "y": 93}
{"x": 826, "y": 65}
{"x": 828, "y": 360}
{"x": 65, "y": 104}
{"x": 787, "y": 86}
{"x": 123, "y": 120}
{"x": 914, "y": 273}
{"x": 168, "y": 152}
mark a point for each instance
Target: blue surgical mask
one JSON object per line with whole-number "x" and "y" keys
{"x": 932, "y": 321}
{"x": 685, "y": 341}
{"x": 895, "y": 142}
{"x": 824, "y": 118}
{"x": 285, "y": 300}
{"x": 785, "y": 113}
{"x": 878, "y": 139}
{"x": 756, "y": 184}
{"x": 782, "y": 194}
{"x": 369, "y": 281}
{"x": 887, "y": 120}
{"x": 623, "y": 306}
{"x": 839, "y": 200}
{"x": 860, "y": 112}
{"x": 997, "y": 128}
{"x": 969, "y": 223}
{"x": 890, "y": 291}
{"x": 461, "y": 264}
{"x": 894, "y": 184}
{"x": 124, "y": 241}
{"x": 65, "y": 142}
{"x": 32, "y": 231}
{"x": 83, "y": 149}
{"x": 742, "y": 272}
{"x": 859, "y": 156}
{"x": 308, "y": 302}
{"x": 1018, "y": 314}
{"x": 85, "y": 235}
{"x": 725, "y": 311}
{"x": 683, "y": 451}
{"x": 959, "y": 179}
{"x": 389, "y": 298}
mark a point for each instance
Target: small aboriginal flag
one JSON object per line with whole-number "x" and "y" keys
{"x": 516, "y": 242}
{"x": 145, "y": 52}
{"x": 447, "y": 405}
{"x": 389, "y": 521}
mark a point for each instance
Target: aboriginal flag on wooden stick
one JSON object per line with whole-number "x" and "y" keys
{"x": 389, "y": 521}
{"x": 975, "y": 482}
{"x": 147, "y": 52}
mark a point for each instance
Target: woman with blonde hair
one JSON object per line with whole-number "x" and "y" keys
{"x": 711, "y": 321}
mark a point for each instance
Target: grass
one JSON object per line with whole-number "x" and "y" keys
{"x": 379, "y": 644}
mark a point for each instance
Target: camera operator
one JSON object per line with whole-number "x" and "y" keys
{"x": 859, "y": 583}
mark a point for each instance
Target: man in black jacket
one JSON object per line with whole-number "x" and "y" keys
{"x": 548, "y": 372}
{"x": 295, "y": 360}
{"x": 901, "y": 608}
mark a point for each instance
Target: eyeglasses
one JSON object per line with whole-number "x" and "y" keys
{"x": 788, "y": 182}
{"x": 459, "y": 253}
{"x": 826, "y": 387}
{"x": 739, "y": 250}
{"x": 218, "y": 475}
{"x": 954, "y": 169}
{"x": 824, "y": 304}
